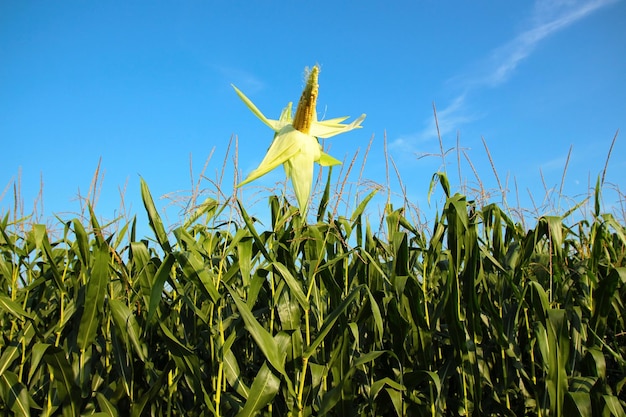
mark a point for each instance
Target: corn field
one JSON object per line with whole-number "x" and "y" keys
{"x": 224, "y": 316}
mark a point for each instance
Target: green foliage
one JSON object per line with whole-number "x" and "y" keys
{"x": 475, "y": 316}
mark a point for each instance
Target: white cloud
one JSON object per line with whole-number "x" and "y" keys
{"x": 548, "y": 17}
{"x": 557, "y": 163}
{"x": 242, "y": 79}
{"x": 448, "y": 118}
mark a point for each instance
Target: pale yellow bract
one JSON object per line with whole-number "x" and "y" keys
{"x": 295, "y": 144}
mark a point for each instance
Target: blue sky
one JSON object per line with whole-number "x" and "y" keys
{"x": 145, "y": 88}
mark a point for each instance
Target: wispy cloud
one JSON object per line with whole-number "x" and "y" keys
{"x": 556, "y": 163}
{"x": 448, "y": 118}
{"x": 243, "y": 79}
{"x": 547, "y": 18}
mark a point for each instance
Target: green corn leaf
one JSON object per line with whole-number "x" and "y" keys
{"x": 94, "y": 299}
{"x": 15, "y": 394}
{"x": 160, "y": 277}
{"x": 294, "y": 286}
{"x": 36, "y": 355}
{"x": 138, "y": 408}
{"x": 208, "y": 207}
{"x": 143, "y": 269}
{"x": 442, "y": 178}
{"x": 613, "y": 404}
{"x": 596, "y": 362}
{"x": 128, "y": 328}
{"x": 13, "y": 308}
{"x": 105, "y": 405}
{"x": 250, "y": 227}
{"x": 289, "y": 312}
{"x": 64, "y": 379}
{"x": 330, "y": 399}
{"x": 325, "y": 197}
{"x": 263, "y": 390}
{"x": 194, "y": 269}
{"x": 578, "y": 404}
{"x": 233, "y": 374}
{"x": 378, "y": 318}
{"x": 244, "y": 256}
{"x": 97, "y": 229}
{"x": 156, "y": 224}
{"x": 318, "y": 373}
{"x": 555, "y": 230}
{"x": 46, "y": 247}
{"x": 82, "y": 241}
{"x": 381, "y": 383}
{"x": 603, "y": 300}
{"x": 190, "y": 367}
{"x": 596, "y": 200}
{"x": 256, "y": 284}
{"x": 361, "y": 207}
{"x": 538, "y": 300}
{"x": 175, "y": 346}
{"x": 431, "y": 377}
{"x": 396, "y": 399}
{"x": 6, "y": 268}
{"x": 330, "y": 320}
{"x": 121, "y": 235}
{"x": 558, "y": 355}
{"x": 274, "y": 355}
{"x": 40, "y": 235}
{"x": 541, "y": 338}
{"x": 367, "y": 357}
{"x": 8, "y": 356}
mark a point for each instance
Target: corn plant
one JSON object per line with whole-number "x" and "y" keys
{"x": 227, "y": 317}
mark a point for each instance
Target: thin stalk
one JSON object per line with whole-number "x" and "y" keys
{"x": 532, "y": 358}
{"x": 465, "y": 405}
{"x": 550, "y": 264}
{"x": 308, "y": 331}
{"x": 272, "y": 300}
{"x": 50, "y": 394}
{"x": 305, "y": 362}
{"x": 425, "y": 292}
{"x": 62, "y": 306}
{"x": 346, "y": 278}
{"x": 608, "y": 157}
{"x": 220, "y": 368}
{"x": 23, "y": 361}
{"x": 170, "y": 391}
{"x": 505, "y": 376}
{"x": 82, "y": 367}
{"x": 108, "y": 350}
{"x": 14, "y": 286}
{"x": 433, "y": 409}
{"x": 212, "y": 340}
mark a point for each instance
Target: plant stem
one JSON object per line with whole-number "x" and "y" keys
{"x": 305, "y": 362}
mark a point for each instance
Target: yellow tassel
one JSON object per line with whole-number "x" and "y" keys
{"x": 306, "y": 106}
